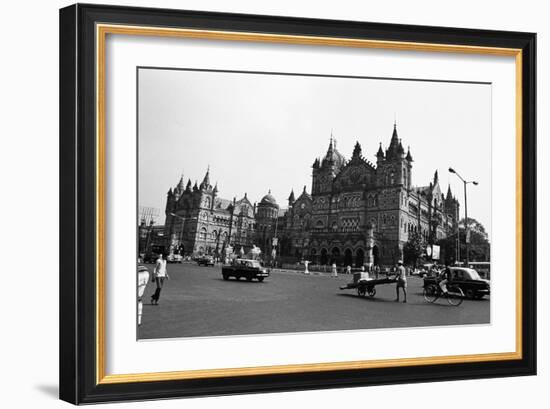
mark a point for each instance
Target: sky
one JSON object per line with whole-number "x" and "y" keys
{"x": 261, "y": 132}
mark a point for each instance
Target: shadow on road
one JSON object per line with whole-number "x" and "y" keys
{"x": 371, "y": 299}
{"x": 232, "y": 280}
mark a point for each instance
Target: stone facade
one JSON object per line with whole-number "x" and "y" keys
{"x": 202, "y": 222}
{"x": 357, "y": 212}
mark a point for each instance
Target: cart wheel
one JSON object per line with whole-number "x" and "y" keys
{"x": 361, "y": 292}
{"x": 372, "y": 292}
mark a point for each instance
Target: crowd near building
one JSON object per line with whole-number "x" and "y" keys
{"x": 356, "y": 212}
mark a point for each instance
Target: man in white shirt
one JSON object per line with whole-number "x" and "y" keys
{"x": 159, "y": 275}
{"x": 401, "y": 275}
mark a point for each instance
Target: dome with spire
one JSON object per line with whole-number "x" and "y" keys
{"x": 269, "y": 200}
{"x": 333, "y": 157}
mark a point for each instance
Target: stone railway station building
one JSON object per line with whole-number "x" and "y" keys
{"x": 357, "y": 213}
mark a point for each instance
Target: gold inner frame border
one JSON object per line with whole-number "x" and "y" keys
{"x": 102, "y": 30}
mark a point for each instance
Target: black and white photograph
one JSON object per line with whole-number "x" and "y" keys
{"x": 277, "y": 203}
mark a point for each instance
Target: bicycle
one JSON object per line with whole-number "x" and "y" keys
{"x": 454, "y": 295}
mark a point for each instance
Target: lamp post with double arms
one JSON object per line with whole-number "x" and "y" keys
{"x": 466, "y": 238}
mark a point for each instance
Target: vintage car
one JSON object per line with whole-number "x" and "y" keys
{"x": 174, "y": 258}
{"x": 205, "y": 261}
{"x": 246, "y": 268}
{"x": 150, "y": 257}
{"x": 469, "y": 281}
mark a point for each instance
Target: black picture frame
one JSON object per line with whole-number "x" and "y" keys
{"x": 78, "y": 197}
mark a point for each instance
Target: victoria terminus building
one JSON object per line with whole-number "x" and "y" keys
{"x": 356, "y": 212}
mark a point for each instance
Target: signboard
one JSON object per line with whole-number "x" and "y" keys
{"x": 435, "y": 252}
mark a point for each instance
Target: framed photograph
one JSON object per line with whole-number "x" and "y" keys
{"x": 257, "y": 203}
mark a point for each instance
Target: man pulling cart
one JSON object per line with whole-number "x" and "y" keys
{"x": 365, "y": 285}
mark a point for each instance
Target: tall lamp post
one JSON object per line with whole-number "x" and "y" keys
{"x": 466, "y": 238}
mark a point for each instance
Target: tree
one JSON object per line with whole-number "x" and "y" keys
{"x": 413, "y": 248}
{"x": 480, "y": 248}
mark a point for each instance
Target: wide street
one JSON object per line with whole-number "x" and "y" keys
{"x": 196, "y": 301}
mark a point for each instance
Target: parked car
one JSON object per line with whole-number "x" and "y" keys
{"x": 469, "y": 281}
{"x": 241, "y": 267}
{"x": 174, "y": 258}
{"x": 150, "y": 258}
{"x": 205, "y": 261}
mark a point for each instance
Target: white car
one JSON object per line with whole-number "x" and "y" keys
{"x": 175, "y": 258}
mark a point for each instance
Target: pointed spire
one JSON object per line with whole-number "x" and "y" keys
{"x": 436, "y": 177}
{"x": 330, "y": 146}
{"x": 180, "y": 184}
{"x": 316, "y": 163}
{"x": 400, "y": 148}
{"x": 394, "y": 136}
{"x": 170, "y": 192}
{"x": 188, "y": 187}
{"x": 393, "y": 149}
{"x": 305, "y": 189}
{"x": 291, "y": 198}
{"x": 409, "y": 157}
{"x": 216, "y": 187}
{"x": 206, "y": 181}
{"x": 356, "y": 150}
{"x": 195, "y": 186}
{"x": 380, "y": 153}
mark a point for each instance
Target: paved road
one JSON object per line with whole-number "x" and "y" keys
{"x": 196, "y": 301}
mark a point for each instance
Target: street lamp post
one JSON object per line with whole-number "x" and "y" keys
{"x": 466, "y": 228}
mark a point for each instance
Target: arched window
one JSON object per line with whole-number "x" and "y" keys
{"x": 202, "y": 233}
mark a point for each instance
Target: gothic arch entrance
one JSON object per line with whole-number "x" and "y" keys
{"x": 376, "y": 255}
{"x": 348, "y": 257}
{"x": 335, "y": 255}
{"x": 324, "y": 256}
{"x": 359, "y": 258}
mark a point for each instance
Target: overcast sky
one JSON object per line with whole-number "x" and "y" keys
{"x": 263, "y": 131}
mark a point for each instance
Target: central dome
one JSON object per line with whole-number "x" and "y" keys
{"x": 269, "y": 200}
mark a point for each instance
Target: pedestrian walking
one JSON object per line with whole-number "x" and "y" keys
{"x": 159, "y": 275}
{"x": 334, "y": 270}
{"x": 401, "y": 276}
{"x": 348, "y": 270}
{"x": 143, "y": 279}
{"x": 376, "y": 270}
{"x": 306, "y": 271}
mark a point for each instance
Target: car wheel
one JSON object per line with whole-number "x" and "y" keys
{"x": 225, "y": 277}
{"x": 260, "y": 279}
{"x": 248, "y": 278}
{"x": 470, "y": 294}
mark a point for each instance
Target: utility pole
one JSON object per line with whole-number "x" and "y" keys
{"x": 466, "y": 227}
